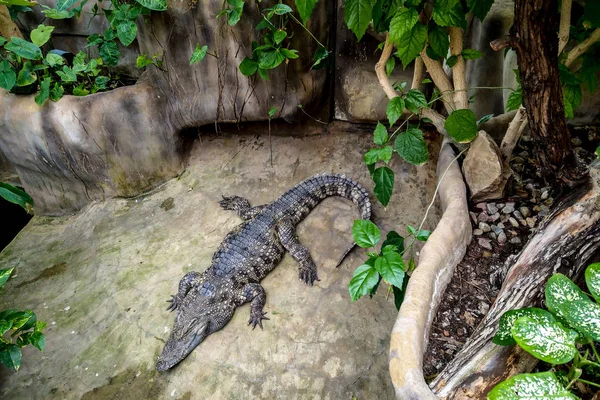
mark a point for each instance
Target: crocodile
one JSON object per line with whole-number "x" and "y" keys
{"x": 205, "y": 302}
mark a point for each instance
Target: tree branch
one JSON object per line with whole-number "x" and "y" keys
{"x": 418, "y": 73}
{"x": 441, "y": 80}
{"x": 513, "y": 133}
{"x": 503, "y": 43}
{"x": 380, "y": 68}
{"x": 459, "y": 74}
{"x": 582, "y": 47}
{"x": 565, "y": 24}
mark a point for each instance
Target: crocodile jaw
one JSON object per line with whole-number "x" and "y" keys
{"x": 176, "y": 350}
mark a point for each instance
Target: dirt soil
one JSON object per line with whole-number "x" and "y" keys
{"x": 500, "y": 230}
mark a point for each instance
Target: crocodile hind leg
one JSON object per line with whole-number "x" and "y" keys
{"x": 185, "y": 284}
{"x": 287, "y": 237}
{"x": 256, "y": 295}
{"x": 241, "y": 206}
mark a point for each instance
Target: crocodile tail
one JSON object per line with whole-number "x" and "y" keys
{"x": 326, "y": 185}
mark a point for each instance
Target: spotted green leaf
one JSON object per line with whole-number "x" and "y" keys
{"x": 365, "y": 233}
{"x": 592, "y": 280}
{"x": 198, "y": 54}
{"x": 582, "y": 315}
{"x": 54, "y": 59}
{"x": 538, "y": 386}
{"x": 4, "y": 275}
{"x": 504, "y": 337}
{"x": 156, "y": 5}
{"x": 547, "y": 341}
{"x": 561, "y": 290}
{"x": 365, "y": 278}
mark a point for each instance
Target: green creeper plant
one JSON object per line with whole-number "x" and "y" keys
{"x": 565, "y": 336}
{"x": 18, "y": 329}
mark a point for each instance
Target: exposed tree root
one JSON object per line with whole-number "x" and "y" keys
{"x": 565, "y": 243}
{"x": 442, "y": 252}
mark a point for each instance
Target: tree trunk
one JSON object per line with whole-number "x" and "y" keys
{"x": 535, "y": 28}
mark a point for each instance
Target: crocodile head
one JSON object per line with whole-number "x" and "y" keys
{"x": 199, "y": 315}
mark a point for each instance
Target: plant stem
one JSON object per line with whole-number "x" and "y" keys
{"x": 595, "y": 352}
{"x": 588, "y": 383}
{"x": 306, "y": 29}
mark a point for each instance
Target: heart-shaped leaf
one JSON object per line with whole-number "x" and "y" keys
{"x": 548, "y": 341}
{"x": 539, "y": 386}
{"x": 582, "y": 315}
{"x": 561, "y": 290}
{"x": 365, "y": 233}
{"x": 504, "y": 337}
{"x": 364, "y": 279}
{"x": 592, "y": 280}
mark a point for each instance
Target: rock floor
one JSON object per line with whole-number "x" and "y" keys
{"x": 100, "y": 280}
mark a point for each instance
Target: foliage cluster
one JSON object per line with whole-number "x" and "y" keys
{"x": 562, "y": 336}
{"x": 24, "y": 329}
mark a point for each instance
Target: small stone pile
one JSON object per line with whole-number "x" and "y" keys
{"x": 510, "y": 222}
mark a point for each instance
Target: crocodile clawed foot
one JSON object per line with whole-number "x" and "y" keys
{"x": 257, "y": 319}
{"x": 308, "y": 276}
{"x": 174, "y": 300}
{"x": 231, "y": 203}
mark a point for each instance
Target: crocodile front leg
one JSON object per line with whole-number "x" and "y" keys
{"x": 287, "y": 237}
{"x": 241, "y": 206}
{"x": 185, "y": 284}
{"x": 256, "y": 294}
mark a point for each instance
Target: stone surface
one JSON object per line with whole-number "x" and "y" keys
{"x": 100, "y": 280}
{"x": 483, "y": 167}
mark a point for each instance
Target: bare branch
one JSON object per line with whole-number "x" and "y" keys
{"x": 380, "y": 68}
{"x": 459, "y": 73}
{"x": 418, "y": 73}
{"x": 504, "y": 42}
{"x": 582, "y": 47}
{"x": 440, "y": 79}
{"x": 513, "y": 133}
{"x": 565, "y": 24}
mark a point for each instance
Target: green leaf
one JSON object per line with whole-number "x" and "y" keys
{"x": 143, "y": 61}
{"x": 566, "y": 76}
{"x": 109, "y": 52}
{"x": 8, "y": 77}
{"x": 393, "y": 112}
{"x": 263, "y": 73}
{"x": 380, "y": 135}
{"x": 281, "y": 9}
{"x": 470, "y": 54}
{"x": 399, "y": 294}
{"x": 2, "y": 40}
{"x": 290, "y": 54}
{"x": 541, "y": 385}
{"x": 403, "y": 22}
{"x": 462, "y": 125}
{"x": 38, "y": 340}
{"x": 582, "y": 315}
{"x": 67, "y": 74}
{"x": 411, "y": 146}
{"x": 101, "y": 81}
{"x": 390, "y": 64}
{"x": 358, "y": 15}
{"x": 384, "y": 184}
{"x": 438, "y": 40}
{"x": 20, "y": 318}
{"x": 514, "y": 100}
{"x": 573, "y": 95}
{"x": 588, "y": 73}
{"x": 10, "y": 356}
{"x": 23, "y": 48}
{"x": 320, "y": 58}
{"x": 44, "y": 92}
{"x": 270, "y": 59}
{"x": 4, "y": 275}
{"x": 248, "y": 67}
{"x": 41, "y": 34}
{"x": 592, "y": 280}
{"x": 54, "y": 59}
{"x": 365, "y": 278}
{"x": 504, "y": 337}
{"x": 591, "y": 13}
{"x": 56, "y": 92}
{"x": 4, "y": 326}
{"x": 126, "y": 32}
{"x": 26, "y": 76}
{"x": 56, "y": 14}
{"x": 80, "y": 91}
{"x": 411, "y": 44}
{"x": 18, "y": 3}
{"x": 156, "y": 5}
{"x": 394, "y": 239}
{"x": 234, "y": 16}
{"x": 384, "y": 154}
{"x": 65, "y": 4}
{"x": 279, "y": 36}
{"x": 446, "y": 15}
{"x": 415, "y": 100}
{"x": 451, "y": 61}
{"x": 561, "y": 290}
{"x": 198, "y": 54}
{"x": 365, "y": 233}
{"x": 305, "y": 8}
{"x": 391, "y": 268}
{"x": 272, "y": 111}
{"x": 421, "y": 235}
{"x": 547, "y": 341}
{"x": 480, "y": 8}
